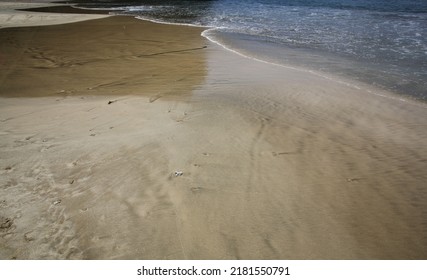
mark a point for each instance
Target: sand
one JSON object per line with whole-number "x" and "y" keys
{"x": 277, "y": 163}
{"x": 11, "y": 17}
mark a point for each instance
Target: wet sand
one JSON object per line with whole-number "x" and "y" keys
{"x": 97, "y": 116}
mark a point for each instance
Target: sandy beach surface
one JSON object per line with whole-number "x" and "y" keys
{"x": 125, "y": 139}
{"x": 11, "y": 16}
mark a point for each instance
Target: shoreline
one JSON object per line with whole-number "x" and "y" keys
{"x": 276, "y": 164}
{"x": 359, "y": 85}
{"x": 358, "y": 78}
{"x": 73, "y": 8}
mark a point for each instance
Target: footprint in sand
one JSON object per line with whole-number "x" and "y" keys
{"x": 8, "y": 169}
{"x": 10, "y": 184}
{"x": 196, "y": 189}
{"x": 5, "y": 223}
{"x": 45, "y": 148}
{"x": 72, "y": 164}
{"x": 29, "y": 236}
{"x": 3, "y": 203}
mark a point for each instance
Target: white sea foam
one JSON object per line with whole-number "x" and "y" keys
{"x": 171, "y": 23}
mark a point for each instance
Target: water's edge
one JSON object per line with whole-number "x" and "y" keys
{"x": 351, "y": 73}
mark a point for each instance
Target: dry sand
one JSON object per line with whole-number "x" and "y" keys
{"x": 10, "y": 17}
{"x": 277, "y": 163}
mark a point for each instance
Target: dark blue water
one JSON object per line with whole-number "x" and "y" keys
{"x": 383, "y": 43}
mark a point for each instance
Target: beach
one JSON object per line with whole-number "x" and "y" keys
{"x": 127, "y": 139}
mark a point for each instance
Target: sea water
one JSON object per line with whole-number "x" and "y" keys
{"x": 379, "y": 42}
